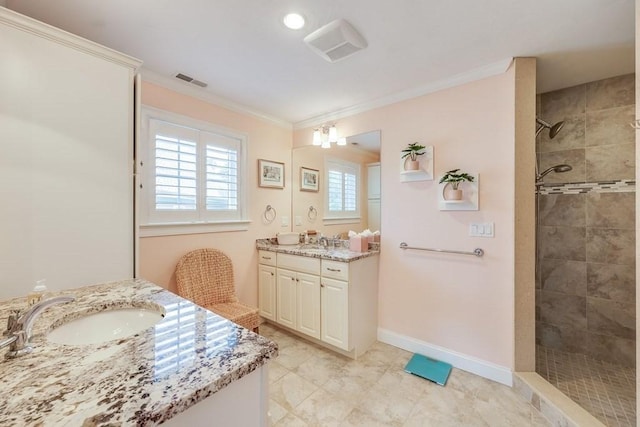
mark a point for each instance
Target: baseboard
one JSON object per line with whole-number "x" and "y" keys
{"x": 465, "y": 362}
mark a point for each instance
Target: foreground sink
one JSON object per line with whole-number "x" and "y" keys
{"x": 104, "y": 326}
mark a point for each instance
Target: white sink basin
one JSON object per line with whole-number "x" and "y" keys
{"x": 104, "y": 326}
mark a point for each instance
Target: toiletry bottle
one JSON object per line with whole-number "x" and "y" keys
{"x": 38, "y": 293}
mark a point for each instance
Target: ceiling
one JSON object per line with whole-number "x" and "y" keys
{"x": 247, "y": 56}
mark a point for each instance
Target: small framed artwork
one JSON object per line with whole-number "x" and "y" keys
{"x": 309, "y": 179}
{"x": 270, "y": 174}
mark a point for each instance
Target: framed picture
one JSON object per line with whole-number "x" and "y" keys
{"x": 309, "y": 179}
{"x": 270, "y": 174}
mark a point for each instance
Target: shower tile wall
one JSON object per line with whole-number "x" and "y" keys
{"x": 585, "y": 299}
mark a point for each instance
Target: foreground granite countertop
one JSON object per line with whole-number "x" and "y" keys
{"x": 143, "y": 379}
{"x": 342, "y": 254}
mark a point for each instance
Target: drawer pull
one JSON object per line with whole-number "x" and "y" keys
{"x": 336, "y": 270}
{"x": 266, "y": 257}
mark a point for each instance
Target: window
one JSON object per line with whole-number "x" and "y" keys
{"x": 192, "y": 173}
{"x": 343, "y": 189}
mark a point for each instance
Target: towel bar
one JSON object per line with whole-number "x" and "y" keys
{"x": 476, "y": 252}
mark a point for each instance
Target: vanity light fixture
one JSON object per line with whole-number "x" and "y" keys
{"x": 325, "y": 135}
{"x": 293, "y": 21}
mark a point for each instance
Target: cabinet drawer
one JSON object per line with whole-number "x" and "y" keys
{"x": 299, "y": 263}
{"x": 267, "y": 258}
{"x": 335, "y": 270}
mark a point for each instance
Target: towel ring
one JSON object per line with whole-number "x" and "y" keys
{"x": 269, "y": 214}
{"x": 313, "y": 213}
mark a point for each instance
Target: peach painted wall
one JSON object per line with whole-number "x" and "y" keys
{"x": 266, "y": 140}
{"x": 461, "y": 303}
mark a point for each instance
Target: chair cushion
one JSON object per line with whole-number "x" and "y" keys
{"x": 243, "y": 315}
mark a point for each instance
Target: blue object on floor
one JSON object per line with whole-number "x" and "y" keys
{"x": 430, "y": 369}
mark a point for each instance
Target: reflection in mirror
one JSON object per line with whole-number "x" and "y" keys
{"x": 309, "y": 206}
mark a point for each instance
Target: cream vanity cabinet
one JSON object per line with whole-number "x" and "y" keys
{"x": 334, "y": 301}
{"x": 298, "y": 293}
{"x": 330, "y": 302}
{"x": 267, "y": 284}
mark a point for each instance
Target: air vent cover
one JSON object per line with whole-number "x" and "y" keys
{"x": 336, "y": 40}
{"x": 190, "y": 79}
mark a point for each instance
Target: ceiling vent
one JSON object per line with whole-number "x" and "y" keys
{"x": 190, "y": 79}
{"x": 336, "y": 40}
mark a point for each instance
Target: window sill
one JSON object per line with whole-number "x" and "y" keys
{"x": 343, "y": 220}
{"x": 175, "y": 229}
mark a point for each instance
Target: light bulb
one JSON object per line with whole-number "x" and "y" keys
{"x": 333, "y": 134}
{"x": 326, "y": 143}
{"x": 317, "y": 137}
{"x": 293, "y": 21}
{"x": 342, "y": 141}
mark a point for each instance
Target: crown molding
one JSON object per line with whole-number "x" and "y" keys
{"x": 489, "y": 70}
{"x": 56, "y": 35}
{"x": 185, "y": 88}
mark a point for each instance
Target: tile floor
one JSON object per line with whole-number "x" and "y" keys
{"x": 312, "y": 386}
{"x": 606, "y": 390}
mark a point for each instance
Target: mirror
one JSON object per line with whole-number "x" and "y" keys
{"x": 362, "y": 149}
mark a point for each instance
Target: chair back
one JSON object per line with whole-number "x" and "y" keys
{"x": 205, "y": 276}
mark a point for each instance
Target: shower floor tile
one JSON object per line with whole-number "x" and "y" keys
{"x": 606, "y": 390}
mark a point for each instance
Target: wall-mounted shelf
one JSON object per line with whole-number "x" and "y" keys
{"x": 469, "y": 200}
{"x": 419, "y": 175}
{"x": 425, "y": 173}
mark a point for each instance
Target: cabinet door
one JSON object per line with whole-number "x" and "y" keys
{"x": 267, "y": 291}
{"x": 308, "y": 304}
{"x": 286, "y": 298}
{"x": 335, "y": 313}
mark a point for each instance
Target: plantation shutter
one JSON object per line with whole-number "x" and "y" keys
{"x": 342, "y": 189}
{"x": 195, "y": 175}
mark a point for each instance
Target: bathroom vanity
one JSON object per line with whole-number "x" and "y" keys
{"x": 329, "y": 296}
{"x": 190, "y": 368}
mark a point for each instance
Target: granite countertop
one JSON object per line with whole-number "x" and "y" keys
{"x": 341, "y": 254}
{"x": 143, "y": 379}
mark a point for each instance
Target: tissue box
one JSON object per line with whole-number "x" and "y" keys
{"x": 358, "y": 244}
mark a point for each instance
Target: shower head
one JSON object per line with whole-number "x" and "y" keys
{"x": 557, "y": 169}
{"x": 553, "y": 129}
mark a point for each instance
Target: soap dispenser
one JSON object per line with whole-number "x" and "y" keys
{"x": 38, "y": 293}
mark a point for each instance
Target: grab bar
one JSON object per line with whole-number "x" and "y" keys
{"x": 476, "y": 252}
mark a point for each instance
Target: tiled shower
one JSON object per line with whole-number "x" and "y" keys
{"x": 585, "y": 275}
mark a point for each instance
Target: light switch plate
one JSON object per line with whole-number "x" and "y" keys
{"x": 285, "y": 221}
{"x": 481, "y": 229}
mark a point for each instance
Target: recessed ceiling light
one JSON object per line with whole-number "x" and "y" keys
{"x": 294, "y": 21}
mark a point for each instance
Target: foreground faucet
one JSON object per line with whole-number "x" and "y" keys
{"x": 19, "y": 326}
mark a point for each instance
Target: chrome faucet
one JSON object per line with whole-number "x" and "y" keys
{"x": 324, "y": 242}
{"x": 19, "y": 326}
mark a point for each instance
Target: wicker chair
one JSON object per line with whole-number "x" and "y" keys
{"x": 205, "y": 276}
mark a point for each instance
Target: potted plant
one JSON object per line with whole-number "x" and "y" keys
{"x": 412, "y": 151}
{"x": 455, "y": 178}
